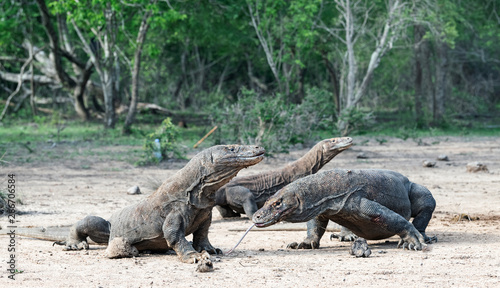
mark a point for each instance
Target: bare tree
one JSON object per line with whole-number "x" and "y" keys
{"x": 103, "y": 56}
{"x": 355, "y": 16}
{"x": 51, "y": 65}
{"x": 141, "y": 37}
{"x": 264, "y": 35}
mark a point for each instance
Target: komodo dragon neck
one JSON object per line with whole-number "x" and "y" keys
{"x": 308, "y": 164}
{"x": 272, "y": 181}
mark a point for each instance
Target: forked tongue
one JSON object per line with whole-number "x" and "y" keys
{"x": 232, "y": 249}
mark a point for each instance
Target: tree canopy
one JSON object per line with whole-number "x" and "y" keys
{"x": 435, "y": 60}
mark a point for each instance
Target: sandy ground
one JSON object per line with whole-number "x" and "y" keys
{"x": 466, "y": 254}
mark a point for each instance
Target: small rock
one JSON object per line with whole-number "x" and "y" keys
{"x": 429, "y": 164}
{"x": 443, "y": 157}
{"x": 134, "y": 190}
{"x": 362, "y": 155}
{"x": 205, "y": 266}
{"x": 474, "y": 167}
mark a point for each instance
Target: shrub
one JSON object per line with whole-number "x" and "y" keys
{"x": 168, "y": 135}
{"x": 269, "y": 121}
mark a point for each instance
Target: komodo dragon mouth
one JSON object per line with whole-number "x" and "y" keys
{"x": 249, "y": 158}
{"x": 244, "y": 158}
{"x": 273, "y": 212}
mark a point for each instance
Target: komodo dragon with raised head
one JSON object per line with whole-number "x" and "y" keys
{"x": 246, "y": 194}
{"x": 373, "y": 204}
{"x": 182, "y": 205}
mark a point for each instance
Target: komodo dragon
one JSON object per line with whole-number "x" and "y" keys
{"x": 373, "y": 204}
{"x": 246, "y": 194}
{"x": 182, "y": 205}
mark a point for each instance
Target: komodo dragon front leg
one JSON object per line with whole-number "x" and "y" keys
{"x": 315, "y": 229}
{"x": 200, "y": 236}
{"x": 244, "y": 198}
{"x": 174, "y": 232}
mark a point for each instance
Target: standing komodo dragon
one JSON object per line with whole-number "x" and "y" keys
{"x": 246, "y": 194}
{"x": 373, "y": 204}
{"x": 182, "y": 205}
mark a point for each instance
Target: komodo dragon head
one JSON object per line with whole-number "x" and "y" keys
{"x": 223, "y": 162}
{"x": 332, "y": 147}
{"x": 277, "y": 208}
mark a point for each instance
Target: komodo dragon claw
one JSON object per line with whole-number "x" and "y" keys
{"x": 303, "y": 245}
{"x": 350, "y": 237}
{"x": 59, "y": 243}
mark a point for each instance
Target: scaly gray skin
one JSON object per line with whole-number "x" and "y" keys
{"x": 246, "y": 194}
{"x": 373, "y": 204}
{"x": 182, "y": 205}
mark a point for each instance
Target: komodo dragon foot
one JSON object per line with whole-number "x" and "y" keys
{"x": 412, "y": 240}
{"x": 306, "y": 244}
{"x": 344, "y": 235}
{"x": 74, "y": 245}
{"x": 195, "y": 257}
{"x": 359, "y": 248}
{"x": 208, "y": 248}
{"x": 430, "y": 240}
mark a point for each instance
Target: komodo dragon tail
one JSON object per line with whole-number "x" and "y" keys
{"x": 57, "y": 234}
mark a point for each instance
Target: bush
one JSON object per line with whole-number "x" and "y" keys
{"x": 168, "y": 135}
{"x": 268, "y": 121}
{"x": 355, "y": 121}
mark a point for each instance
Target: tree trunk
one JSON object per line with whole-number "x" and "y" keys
{"x": 268, "y": 49}
{"x": 335, "y": 83}
{"x": 141, "y": 36}
{"x": 62, "y": 76}
{"x": 107, "y": 74}
{"x": 356, "y": 90}
{"x": 419, "y": 33}
{"x": 79, "y": 92}
{"x": 441, "y": 78}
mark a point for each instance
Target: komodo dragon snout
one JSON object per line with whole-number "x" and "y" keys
{"x": 340, "y": 143}
{"x": 237, "y": 155}
{"x": 278, "y": 207}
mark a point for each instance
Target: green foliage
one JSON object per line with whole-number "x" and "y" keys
{"x": 270, "y": 121}
{"x": 356, "y": 121}
{"x": 168, "y": 135}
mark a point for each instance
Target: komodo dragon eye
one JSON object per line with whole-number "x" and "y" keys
{"x": 232, "y": 149}
{"x": 277, "y": 204}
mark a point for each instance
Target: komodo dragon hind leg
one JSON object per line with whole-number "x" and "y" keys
{"x": 315, "y": 229}
{"x": 96, "y": 228}
{"x": 422, "y": 207}
{"x": 227, "y": 212}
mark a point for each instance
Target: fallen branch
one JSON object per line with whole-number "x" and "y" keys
{"x": 153, "y": 107}
{"x": 205, "y": 137}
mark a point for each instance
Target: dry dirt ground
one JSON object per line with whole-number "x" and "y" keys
{"x": 466, "y": 222}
